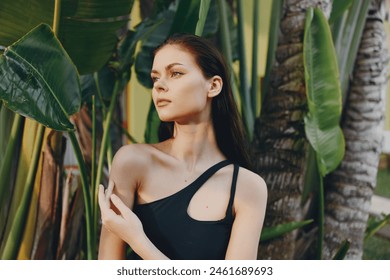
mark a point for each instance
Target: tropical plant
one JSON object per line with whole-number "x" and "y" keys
{"x": 23, "y": 59}
{"x": 349, "y": 189}
{"x": 284, "y": 157}
{"x": 296, "y": 138}
{"x": 58, "y": 83}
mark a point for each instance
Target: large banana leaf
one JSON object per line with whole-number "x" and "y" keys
{"x": 323, "y": 93}
{"x": 87, "y": 27}
{"x": 38, "y": 79}
{"x": 324, "y": 103}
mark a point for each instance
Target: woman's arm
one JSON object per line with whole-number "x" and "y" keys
{"x": 119, "y": 224}
{"x": 250, "y": 203}
{"x": 111, "y": 245}
{"x": 125, "y": 225}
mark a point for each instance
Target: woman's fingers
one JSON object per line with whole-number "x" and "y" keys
{"x": 109, "y": 190}
{"x": 102, "y": 199}
{"x": 123, "y": 209}
{"x": 105, "y": 194}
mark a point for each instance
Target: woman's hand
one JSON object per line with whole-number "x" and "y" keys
{"x": 126, "y": 224}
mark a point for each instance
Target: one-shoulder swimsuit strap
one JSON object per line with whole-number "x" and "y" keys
{"x": 229, "y": 210}
{"x": 210, "y": 172}
{"x": 198, "y": 183}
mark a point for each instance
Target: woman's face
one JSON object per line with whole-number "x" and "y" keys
{"x": 180, "y": 91}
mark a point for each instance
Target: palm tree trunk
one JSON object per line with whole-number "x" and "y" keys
{"x": 279, "y": 138}
{"x": 350, "y": 187}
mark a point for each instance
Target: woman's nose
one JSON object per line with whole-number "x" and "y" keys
{"x": 160, "y": 86}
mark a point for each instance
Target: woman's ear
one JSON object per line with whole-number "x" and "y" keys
{"x": 216, "y": 84}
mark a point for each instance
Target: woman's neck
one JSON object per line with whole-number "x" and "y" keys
{"x": 195, "y": 144}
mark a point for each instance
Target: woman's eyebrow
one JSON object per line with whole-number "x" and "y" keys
{"x": 168, "y": 67}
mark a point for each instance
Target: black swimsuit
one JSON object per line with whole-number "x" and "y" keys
{"x": 178, "y": 236}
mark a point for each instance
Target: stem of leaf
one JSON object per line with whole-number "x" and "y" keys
{"x": 57, "y": 16}
{"x": 321, "y": 209}
{"x": 103, "y": 149}
{"x": 91, "y": 234}
{"x": 12, "y": 245}
{"x": 93, "y": 157}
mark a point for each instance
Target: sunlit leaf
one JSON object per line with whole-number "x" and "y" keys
{"x": 38, "y": 79}
{"x": 87, "y": 28}
{"x": 323, "y": 93}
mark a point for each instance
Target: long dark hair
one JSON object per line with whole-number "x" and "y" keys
{"x": 227, "y": 123}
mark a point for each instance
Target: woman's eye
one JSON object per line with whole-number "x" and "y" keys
{"x": 154, "y": 79}
{"x": 176, "y": 74}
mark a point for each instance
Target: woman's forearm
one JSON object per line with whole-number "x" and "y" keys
{"x": 111, "y": 247}
{"x": 146, "y": 249}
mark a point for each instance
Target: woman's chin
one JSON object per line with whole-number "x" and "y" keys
{"x": 164, "y": 118}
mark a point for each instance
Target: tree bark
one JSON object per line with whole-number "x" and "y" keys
{"x": 349, "y": 189}
{"x": 279, "y": 138}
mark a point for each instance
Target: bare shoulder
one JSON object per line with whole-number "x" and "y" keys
{"x": 130, "y": 164}
{"x": 251, "y": 190}
{"x": 133, "y": 155}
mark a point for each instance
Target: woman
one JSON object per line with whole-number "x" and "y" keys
{"x": 192, "y": 194}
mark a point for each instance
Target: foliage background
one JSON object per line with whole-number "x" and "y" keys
{"x": 132, "y": 109}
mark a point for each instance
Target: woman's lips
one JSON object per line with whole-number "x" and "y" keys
{"x": 162, "y": 102}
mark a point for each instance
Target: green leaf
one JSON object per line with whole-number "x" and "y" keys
{"x": 127, "y": 46}
{"x": 376, "y": 225}
{"x": 277, "y": 231}
{"x": 245, "y": 94}
{"x": 144, "y": 59}
{"x": 203, "y": 11}
{"x": 12, "y": 244}
{"x": 272, "y": 45}
{"x": 119, "y": 68}
{"x": 347, "y": 32}
{"x": 323, "y": 93}
{"x": 342, "y": 251}
{"x": 212, "y": 21}
{"x": 228, "y": 47}
{"x": 106, "y": 82}
{"x": 312, "y": 179}
{"x": 186, "y": 17}
{"x": 6, "y": 119}
{"x": 87, "y": 27}
{"x": 153, "y": 123}
{"x": 38, "y": 79}
{"x": 338, "y": 8}
{"x": 8, "y": 168}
